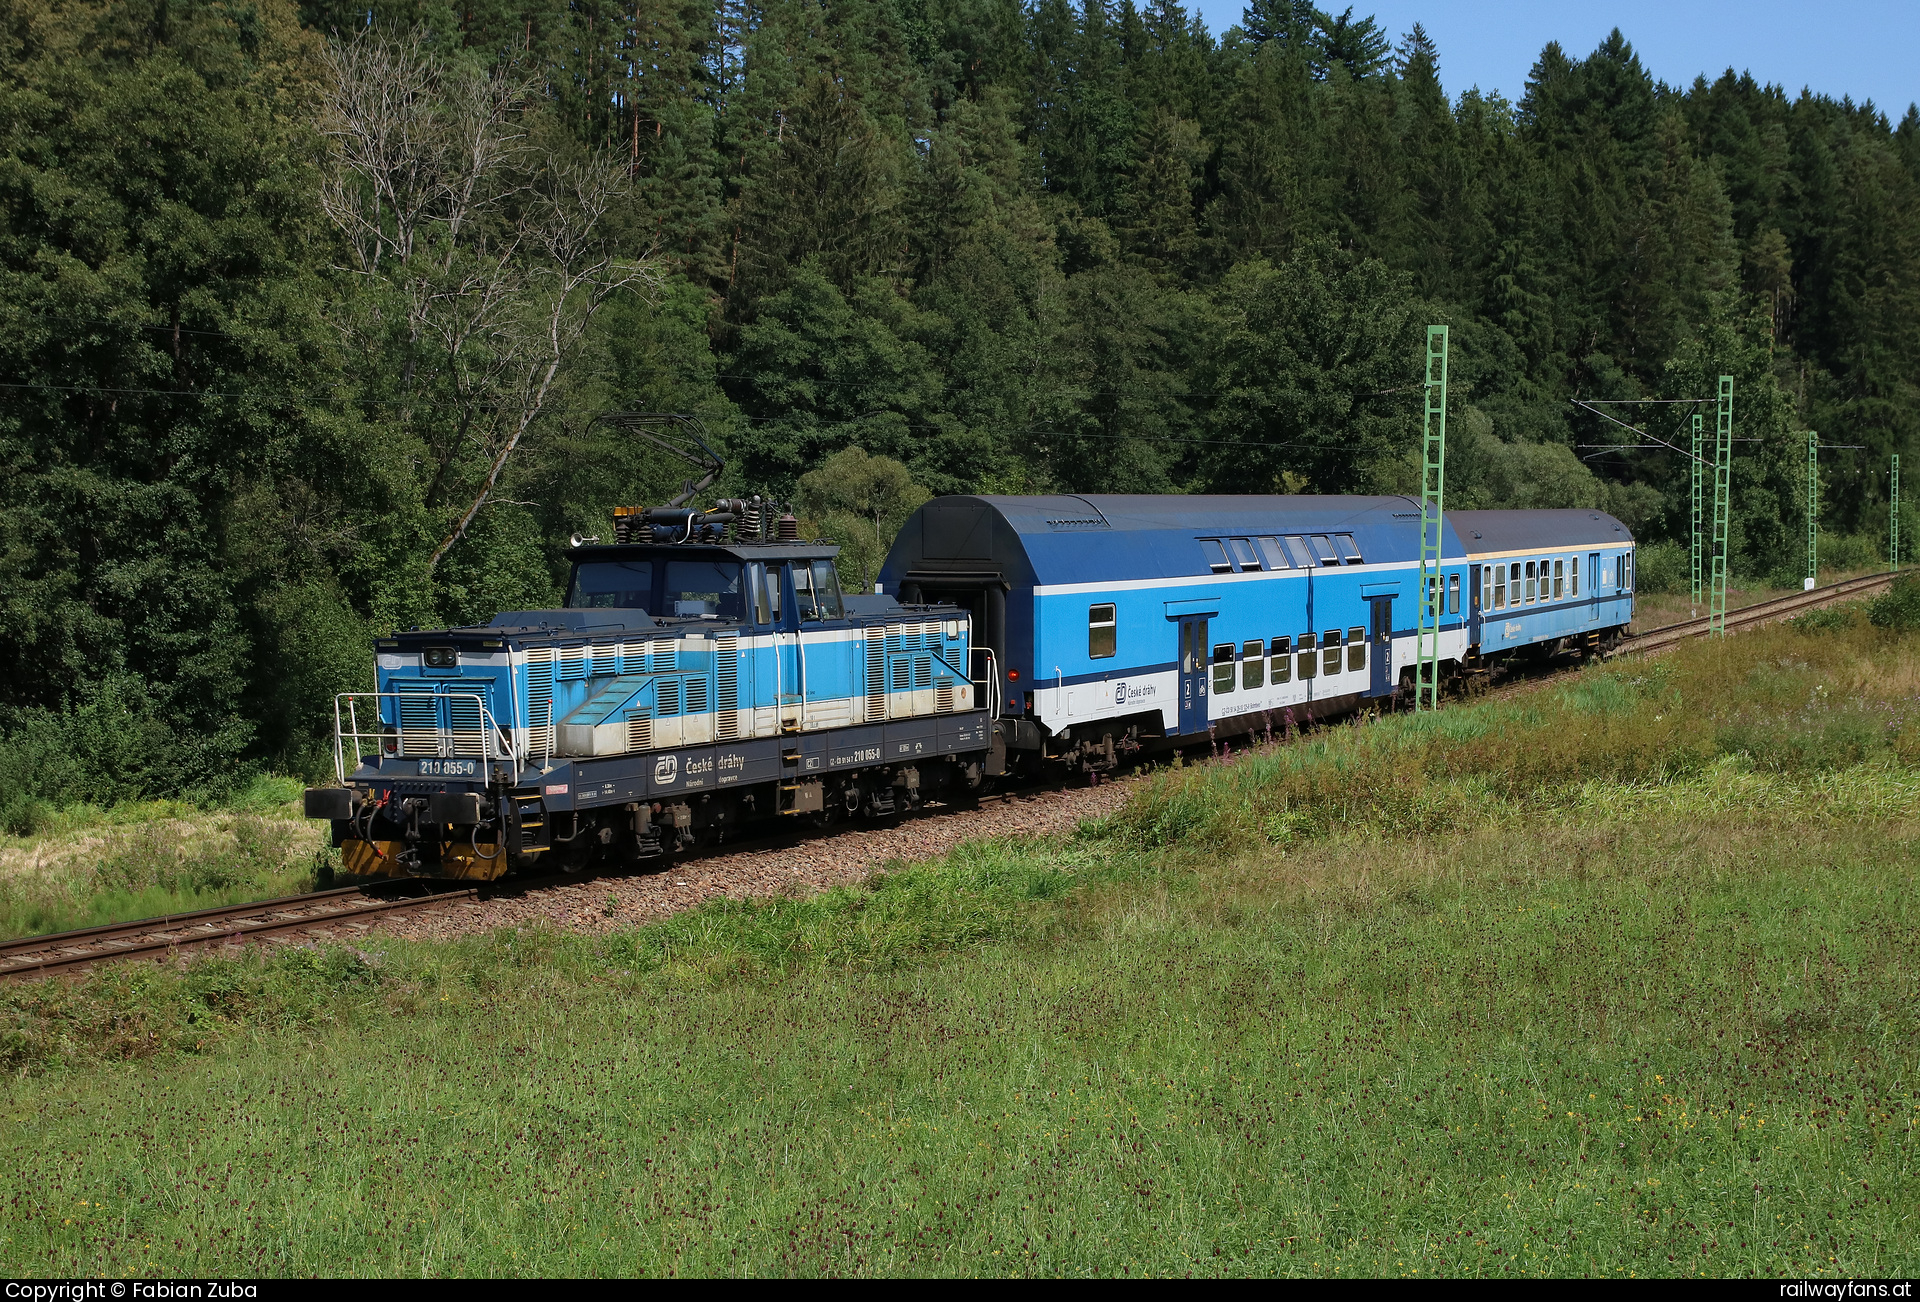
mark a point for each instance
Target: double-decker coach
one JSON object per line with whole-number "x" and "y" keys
{"x": 1120, "y": 623}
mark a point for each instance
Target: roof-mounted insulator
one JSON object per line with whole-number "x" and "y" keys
{"x": 624, "y": 518}
{"x": 789, "y": 528}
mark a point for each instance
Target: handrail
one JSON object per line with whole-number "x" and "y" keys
{"x": 349, "y": 729}
{"x": 992, "y": 681}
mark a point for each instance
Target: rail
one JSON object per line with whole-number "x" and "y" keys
{"x": 481, "y": 739}
{"x": 1655, "y": 639}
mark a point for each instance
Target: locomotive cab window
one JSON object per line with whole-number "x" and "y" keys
{"x": 1272, "y": 555}
{"x": 1222, "y": 668}
{"x": 1251, "y": 665}
{"x": 1343, "y": 543}
{"x": 618, "y": 585}
{"x": 1356, "y": 649}
{"x": 757, "y": 585}
{"x": 1216, "y": 556}
{"x": 704, "y": 588}
{"x": 816, "y": 591}
{"x": 1243, "y": 553}
{"x": 1101, "y": 638}
{"x": 1280, "y": 660}
{"x": 1305, "y": 662}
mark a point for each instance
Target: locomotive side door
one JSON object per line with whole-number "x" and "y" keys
{"x": 1193, "y": 674}
{"x": 1381, "y": 635}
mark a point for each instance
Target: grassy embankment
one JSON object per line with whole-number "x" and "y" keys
{"x": 1618, "y": 977}
{"x": 86, "y": 865}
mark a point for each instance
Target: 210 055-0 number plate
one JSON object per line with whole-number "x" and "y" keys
{"x": 449, "y": 768}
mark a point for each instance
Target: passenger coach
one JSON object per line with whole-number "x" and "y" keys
{"x": 1117, "y": 622}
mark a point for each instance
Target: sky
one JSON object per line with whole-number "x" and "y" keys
{"x": 1863, "y": 48}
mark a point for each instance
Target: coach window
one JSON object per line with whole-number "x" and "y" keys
{"x": 1573, "y": 577}
{"x": 1626, "y": 571}
{"x": 1243, "y": 553}
{"x": 1280, "y": 660}
{"x": 1100, "y": 632}
{"x": 1323, "y": 550}
{"x": 1532, "y": 588}
{"x": 1216, "y": 556}
{"x": 1304, "y": 659}
{"x": 1272, "y": 555}
{"x": 1453, "y": 594}
{"x": 1343, "y": 542}
{"x": 1301, "y": 553}
{"x": 1559, "y": 578}
{"x": 1330, "y": 651}
{"x": 1499, "y": 573}
{"x": 1222, "y": 668}
{"x": 1513, "y": 582}
{"x": 1251, "y": 664}
{"x": 1356, "y": 649}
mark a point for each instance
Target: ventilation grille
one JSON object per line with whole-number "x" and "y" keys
{"x": 923, "y": 671}
{"x": 469, "y": 737}
{"x": 943, "y": 696}
{"x": 696, "y": 696}
{"x": 902, "y": 674}
{"x": 662, "y": 658}
{"x": 903, "y": 637}
{"x": 876, "y": 675}
{"x": 726, "y": 659}
{"x": 419, "y": 722}
{"x": 667, "y": 698}
{"x": 639, "y": 732}
{"x": 539, "y": 700}
{"x": 573, "y": 663}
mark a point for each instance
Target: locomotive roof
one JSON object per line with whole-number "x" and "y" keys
{"x": 1073, "y": 538}
{"x": 738, "y": 551}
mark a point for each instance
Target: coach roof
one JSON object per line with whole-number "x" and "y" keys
{"x": 1492, "y": 533}
{"x": 1075, "y": 539}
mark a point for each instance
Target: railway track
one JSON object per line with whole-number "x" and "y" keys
{"x": 336, "y": 913}
{"x": 345, "y": 912}
{"x": 1658, "y": 639}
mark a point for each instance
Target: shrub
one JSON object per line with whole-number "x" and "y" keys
{"x": 1662, "y": 567}
{"x": 1899, "y": 609}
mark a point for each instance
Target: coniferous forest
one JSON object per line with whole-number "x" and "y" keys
{"x": 308, "y": 310}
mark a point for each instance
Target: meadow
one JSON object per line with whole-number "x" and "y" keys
{"x": 1614, "y": 977}
{"x": 84, "y": 864}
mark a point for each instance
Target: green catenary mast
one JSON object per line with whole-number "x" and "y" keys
{"x": 1722, "y": 475}
{"x": 1433, "y": 487}
{"x": 1893, "y": 517}
{"x": 1813, "y": 510}
{"x": 1698, "y": 465}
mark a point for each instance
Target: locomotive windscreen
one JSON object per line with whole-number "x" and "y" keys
{"x": 704, "y": 588}
{"x": 619, "y": 585}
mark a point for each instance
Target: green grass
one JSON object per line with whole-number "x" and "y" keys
{"x": 1654, "y": 1018}
{"x": 86, "y": 865}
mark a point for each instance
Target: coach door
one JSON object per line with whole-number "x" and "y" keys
{"x": 1193, "y": 675}
{"x": 1593, "y": 586}
{"x": 1381, "y": 635}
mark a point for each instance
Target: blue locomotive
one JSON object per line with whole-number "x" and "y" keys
{"x": 707, "y": 671}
